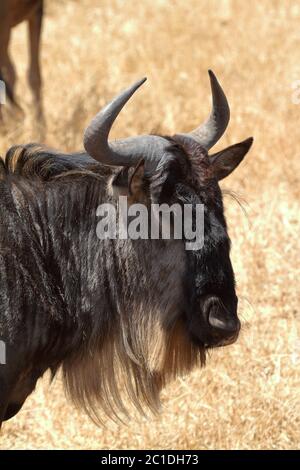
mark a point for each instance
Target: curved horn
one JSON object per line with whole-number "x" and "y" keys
{"x": 210, "y": 132}
{"x": 95, "y": 139}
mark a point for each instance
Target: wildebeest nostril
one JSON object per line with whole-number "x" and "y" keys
{"x": 220, "y": 320}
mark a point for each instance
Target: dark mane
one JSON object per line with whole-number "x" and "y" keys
{"x": 34, "y": 160}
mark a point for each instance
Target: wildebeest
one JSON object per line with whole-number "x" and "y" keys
{"x": 120, "y": 317}
{"x": 13, "y": 12}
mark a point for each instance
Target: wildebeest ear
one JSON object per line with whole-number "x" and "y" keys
{"x": 137, "y": 185}
{"x": 118, "y": 185}
{"x": 225, "y": 161}
{"x": 131, "y": 182}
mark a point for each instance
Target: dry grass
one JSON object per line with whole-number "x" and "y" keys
{"x": 248, "y": 395}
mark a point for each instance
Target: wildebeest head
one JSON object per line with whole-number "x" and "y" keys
{"x": 141, "y": 310}
{"x": 179, "y": 170}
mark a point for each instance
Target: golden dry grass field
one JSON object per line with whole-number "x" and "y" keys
{"x": 248, "y": 396}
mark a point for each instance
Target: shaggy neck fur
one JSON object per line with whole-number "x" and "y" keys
{"x": 110, "y": 310}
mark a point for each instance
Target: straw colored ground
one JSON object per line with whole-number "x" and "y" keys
{"x": 248, "y": 396}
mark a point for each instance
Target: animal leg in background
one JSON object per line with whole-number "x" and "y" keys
{"x": 7, "y": 71}
{"x": 34, "y": 73}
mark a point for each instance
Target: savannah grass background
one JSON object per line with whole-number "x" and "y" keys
{"x": 248, "y": 396}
